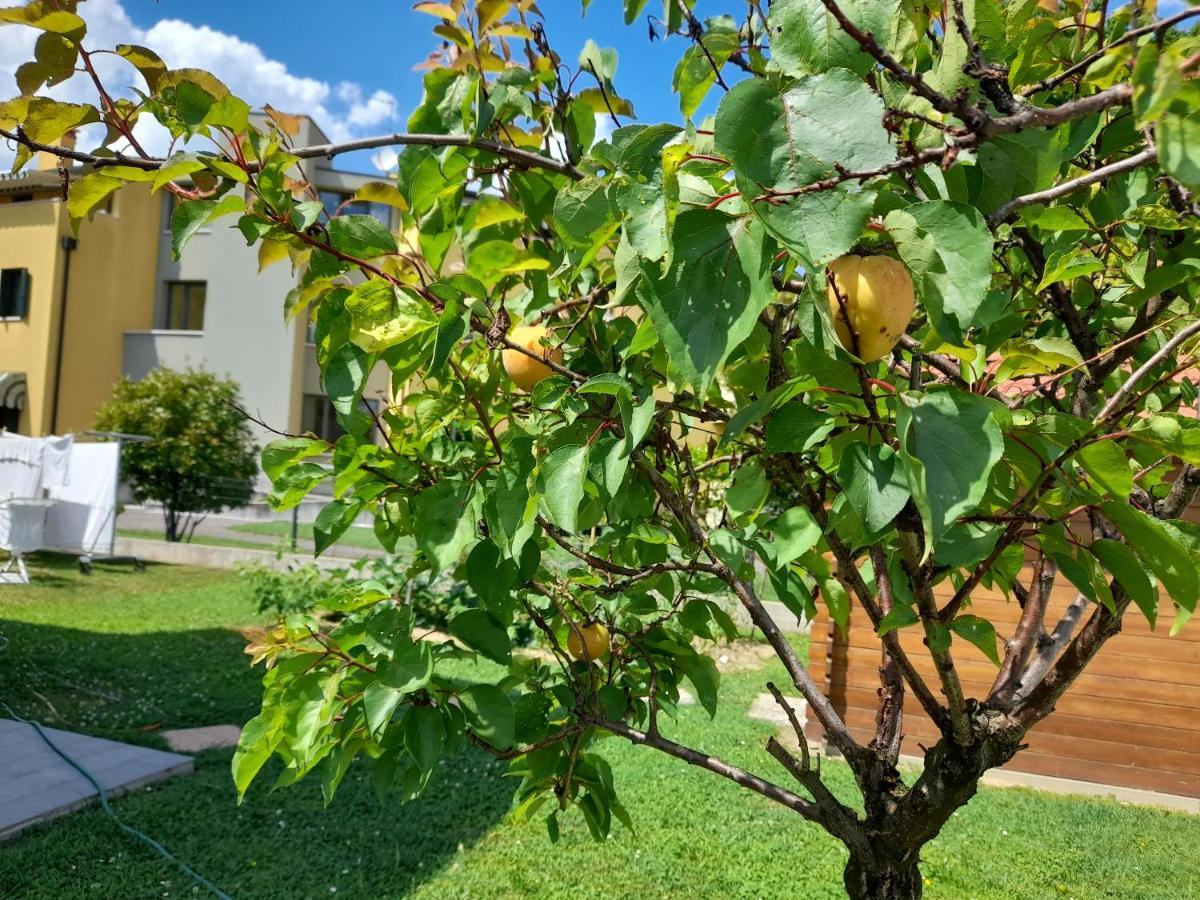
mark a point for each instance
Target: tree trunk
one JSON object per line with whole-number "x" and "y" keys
{"x": 888, "y": 879}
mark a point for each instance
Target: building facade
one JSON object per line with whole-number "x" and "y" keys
{"x": 76, "y": 314}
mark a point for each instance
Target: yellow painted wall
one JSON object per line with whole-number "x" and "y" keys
{"x": 111, "y": 291}
{"x": 29, "y": 240}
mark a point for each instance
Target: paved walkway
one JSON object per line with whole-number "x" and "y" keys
{"x": 223, "y": 528}
{"x": 37, "y": 784}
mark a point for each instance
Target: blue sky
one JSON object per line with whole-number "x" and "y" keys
{"x": 377, "y": 45}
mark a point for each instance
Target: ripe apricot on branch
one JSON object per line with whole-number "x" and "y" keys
{"x": 522, "y": 369}
{"x": 872, "y": 301}
{"x": 587, "y": 642}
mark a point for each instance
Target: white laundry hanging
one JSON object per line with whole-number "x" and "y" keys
{"x": 20, "y": 466}
{"x": 82, "y": 518}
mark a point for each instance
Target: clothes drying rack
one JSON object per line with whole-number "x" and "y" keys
{"x": 87, "y": 559}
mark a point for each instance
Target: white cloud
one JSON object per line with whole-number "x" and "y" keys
{"x": 342, "y": 111}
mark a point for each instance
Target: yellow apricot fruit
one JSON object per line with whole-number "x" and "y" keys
{"x": 587, "y": 642}
{"x": 522, "y": 369}
{"x": 872, "y": 301}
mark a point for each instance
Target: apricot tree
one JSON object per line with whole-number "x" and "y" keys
{"x": 995, "y": 393}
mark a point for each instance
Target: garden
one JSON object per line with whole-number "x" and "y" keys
{"x": 125, "y": 655}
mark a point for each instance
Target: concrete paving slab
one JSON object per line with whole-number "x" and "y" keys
{"x": 210, "y": 737}
{"x": 36, "y": 784}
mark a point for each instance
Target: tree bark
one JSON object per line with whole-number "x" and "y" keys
{"x": 878, "y": 879}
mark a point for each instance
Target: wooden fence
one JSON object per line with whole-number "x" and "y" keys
{"x": 1132, "y": 719}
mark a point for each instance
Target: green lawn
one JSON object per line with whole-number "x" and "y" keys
{"x": 355, "y": 536}
{"x": 121, "y": 653}
{"x": 208, "y": 540}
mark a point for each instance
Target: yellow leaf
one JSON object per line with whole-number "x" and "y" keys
{"x": 441, "y": 10}
{"x": 381, "y": 192}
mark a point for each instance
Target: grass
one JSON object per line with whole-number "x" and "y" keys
{"x": 208, "y": 540}
{"x": 355, "y": 536}
{"x": 162, "y": 646}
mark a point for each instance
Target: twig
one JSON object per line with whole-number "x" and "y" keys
{"x": 1085, "y": 63}
{"x": 1128, "y": 164}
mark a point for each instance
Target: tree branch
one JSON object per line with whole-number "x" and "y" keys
{"x": 1028, "y": 630}
{"x": 759, "y": 785}
{"x": 1088, "y": 61}
{"x": 1166, "y": 350}
{"x": 523, "y": 158}
{"x": 835, "y": 728}
{"x": 1128, "y": 164}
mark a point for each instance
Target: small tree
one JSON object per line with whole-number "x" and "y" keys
{"x": 930, "y": 271}
{"x": 200, "y": 457}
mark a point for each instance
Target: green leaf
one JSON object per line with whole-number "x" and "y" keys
{"x": 383, "y": 315}
{"x": 409, "y": 669}
{"x": 785, "y": 141}
{"x": 1067, "y": 265}
{"x": 379, "y": 702}
{"x": 190, "y": 216}
{"x": 344, "y": 376}
{"x": 797, "y": 428}
{"x": 948, "y": 249}
{"x": 949, "y": 442}
{"x": 284, "y": 453}
{"x": 46, "y": 120}
{"x": 701, "y": 671}
{"x": 708, "y": 301}
{"x": 255, "y": 745}
{"x": 1170, "y": 562}
{"x": 901, "y": 615}
{"x": 979, "y": 632}
{"x": 333, "y": 520}
{"x": 749, "y": 490}
{"x": 363, "y": 237}
{"x": 445, "y": 522}
{"x": 696, "y": 72}
{"x": 806, "y": 38}
{"x": 794, "y": 533}
{"x": 480, "y": 631}
{"x": 1108, "y": 466}
{"x": 424, "y": 736}
{"x": 874, "y": 485}
{"x": 1122, "y": 562}
{"x": 562, "y": 478}
{"x": 489, "y": 714}
{"x": 1179, "y": 147}
{"x": 88, "y": 192}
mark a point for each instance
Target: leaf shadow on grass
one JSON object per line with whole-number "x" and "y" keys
{"x": 282, "y": 843}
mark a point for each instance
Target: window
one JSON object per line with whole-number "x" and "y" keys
{"x": 14, "y": 293}
{"x": 184, "y": 309}
{"x": 317, "y": 415}
{"x": 332, "y": 200}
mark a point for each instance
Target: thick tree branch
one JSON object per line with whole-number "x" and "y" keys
{"x": 1028, "y": 631}
{"x": 889, "y": 715}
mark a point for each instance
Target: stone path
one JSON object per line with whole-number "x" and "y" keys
{"x": 210, "y": 737}
{"x": 37, "y": 784}
{"x": 223, "y": 527}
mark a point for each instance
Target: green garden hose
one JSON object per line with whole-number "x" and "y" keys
{"x": 144, "y": 838}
